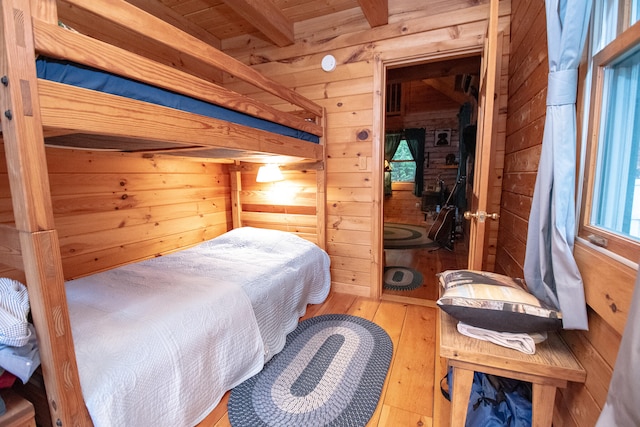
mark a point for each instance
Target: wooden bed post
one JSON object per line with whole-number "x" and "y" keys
{"x": 321, "y": 188}
{"x": 33, "y": 213}
{"x": 236, "y": 187}
{"x": 45, "y": 10}
{"x": 321, "y": 205}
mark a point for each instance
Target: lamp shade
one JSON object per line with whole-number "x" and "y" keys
{"x": 269, "y": 173}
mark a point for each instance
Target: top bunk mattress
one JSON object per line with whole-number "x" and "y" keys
{"x": 90, "y": 78}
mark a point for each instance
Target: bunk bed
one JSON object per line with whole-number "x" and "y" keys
{"x": 40, "y": 110}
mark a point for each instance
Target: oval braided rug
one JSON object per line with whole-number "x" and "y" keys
{"x": 398, "y": 278}
{"x": 330, "y": 373}
{"x": 406, "y": 236}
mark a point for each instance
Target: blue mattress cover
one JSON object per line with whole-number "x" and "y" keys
{"x": 89, "y": 78}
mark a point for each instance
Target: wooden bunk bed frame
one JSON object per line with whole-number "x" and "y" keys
{"x": 36, "y": 110}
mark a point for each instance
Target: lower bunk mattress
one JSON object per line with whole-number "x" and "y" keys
{"x": 159, "y": 342}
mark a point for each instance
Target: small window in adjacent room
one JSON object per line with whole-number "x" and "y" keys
{"x": 611, "y": 209}
{"x": 403, "y": 167}
{"x": 394, "y": 99}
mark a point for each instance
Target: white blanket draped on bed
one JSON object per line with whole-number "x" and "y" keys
{"x": 280, "y": 272}
{"x": 159, "y": 342}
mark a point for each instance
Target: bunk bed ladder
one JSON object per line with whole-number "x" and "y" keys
{"x": 34, "y": 238}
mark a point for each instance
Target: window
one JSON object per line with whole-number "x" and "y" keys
{"x": 394, "y": 99}
{"x": 616, "y": 191}
{"x": 403, "y": 167}
{"x": 611, "y": 212}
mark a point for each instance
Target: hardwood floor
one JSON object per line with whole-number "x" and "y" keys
{"x": 429, "y": 263}
{"x": 404, "y": 208}
{"x": 411, "y": 394}
{"x": 408, "y": 395}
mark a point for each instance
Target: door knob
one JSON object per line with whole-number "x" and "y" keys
{"x": 481, "y": 216}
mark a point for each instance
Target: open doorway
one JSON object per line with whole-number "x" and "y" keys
{"x": 429, "y": 146}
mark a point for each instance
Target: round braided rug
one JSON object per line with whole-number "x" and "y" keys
{"x": 400, "y": 278}
{"x": 406, "y": 236}
{"x": 330, "y": 373}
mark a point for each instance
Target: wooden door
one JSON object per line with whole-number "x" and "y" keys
{"x": 486, "y": 134}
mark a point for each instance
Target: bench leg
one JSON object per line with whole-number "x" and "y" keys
{"x": 543, "y": 400}
{"x": 462, "y": 381}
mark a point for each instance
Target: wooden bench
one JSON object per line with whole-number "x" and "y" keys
{"x": 552, "y": 366}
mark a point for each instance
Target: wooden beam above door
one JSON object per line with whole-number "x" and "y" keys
{"x": 432, "y": 70}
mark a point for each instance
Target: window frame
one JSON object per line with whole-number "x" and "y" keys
{"x": 625, "y": 43}
{"x": 394, "y": 97}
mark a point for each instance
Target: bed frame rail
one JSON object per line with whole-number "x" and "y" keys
{"x": 120, "y": 12}
{"x": 68, "y": 107}
{"x": 54, "y": 41}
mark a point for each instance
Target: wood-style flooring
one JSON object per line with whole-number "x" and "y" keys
{"x": 411, "y": 394}
{"x": 427, "y": 261}
{"x": 401, "y": 208}
{"x": 408, "y": 394}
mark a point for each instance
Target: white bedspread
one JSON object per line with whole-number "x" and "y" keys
{"x": 159, "y": 342}
{"x": 280, "y": 272}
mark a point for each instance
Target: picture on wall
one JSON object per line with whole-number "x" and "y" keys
{"x": 442, "y": 137}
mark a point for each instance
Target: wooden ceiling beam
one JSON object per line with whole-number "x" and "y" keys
{"x": 446, "y": 86}
{"x": 266, "y": 18}
{"x": 376, "y": 11}
{"x": 167, "y": 14}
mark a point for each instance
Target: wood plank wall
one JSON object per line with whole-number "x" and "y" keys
{"x": 608, "y": 283}
{"x": 525, "y": 123}
{"x": 416, "y": 29}
{"x": 115, "y": 208}
{"x": 287, "y": 205}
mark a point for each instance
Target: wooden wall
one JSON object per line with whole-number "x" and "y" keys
{"x": 114, "y": 208}
{"x": 525, "y": 123}
{"x": 292, "y": 204}
{"x": 608, "y": 283}
{"x": 352, "y": 97}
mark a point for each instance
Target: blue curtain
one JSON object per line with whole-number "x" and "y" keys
{"x": 550, "y": 270}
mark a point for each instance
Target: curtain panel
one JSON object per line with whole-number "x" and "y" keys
{"x": 550, "y": 269}
{"x": 415, "y": 140}
{"x": 391, "y": 143}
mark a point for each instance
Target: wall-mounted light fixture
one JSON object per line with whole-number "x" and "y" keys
{"x": 328, "y": 63}
{"x": 269, "y": 173}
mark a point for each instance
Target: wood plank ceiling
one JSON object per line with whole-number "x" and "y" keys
{"x": 275, "y": 20}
